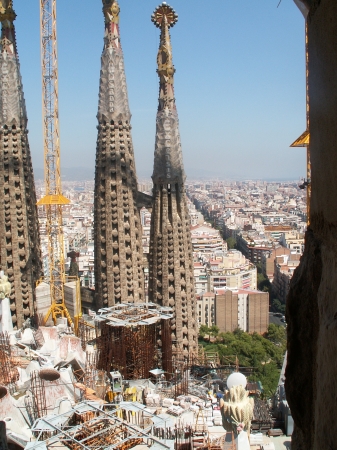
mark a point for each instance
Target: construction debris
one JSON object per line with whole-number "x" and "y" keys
{"x": 109, "y": 388}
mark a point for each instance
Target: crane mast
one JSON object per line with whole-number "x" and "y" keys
{"x": 53, "y": 199}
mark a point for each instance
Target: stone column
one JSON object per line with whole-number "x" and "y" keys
{"x": 311, "y": 372}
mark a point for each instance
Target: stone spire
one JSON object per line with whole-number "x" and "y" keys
{"x": 118, "y": 236}
{"x": 19, "y": 235}
{"x": 171, "y": 278}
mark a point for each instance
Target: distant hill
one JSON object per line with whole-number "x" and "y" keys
{"x": 87, "y": 174}
{"x": 69, "y": 173}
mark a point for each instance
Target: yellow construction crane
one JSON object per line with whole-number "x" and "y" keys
{"x": 53, "y": 201}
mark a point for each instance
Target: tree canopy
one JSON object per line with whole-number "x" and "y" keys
{"x": 231, "y": 243}
{"x": 264, "y": 354}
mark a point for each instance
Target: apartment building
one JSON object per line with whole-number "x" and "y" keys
{"x": 293, "y": 240}
{"x": 200, "y": 278}
{"x": 233, "y": 271}
{"x": 268, "y": 260}
{"x": 242, "y": 308}
{"x": 207, "y": 241}
{"x": 284, "y": 267}
{"x": 205, "y": 309}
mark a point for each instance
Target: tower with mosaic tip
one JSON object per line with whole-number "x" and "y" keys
{"x": 171, "y": 280}
{"x": 19, "y": 229}
{"x": 118, "y": 238}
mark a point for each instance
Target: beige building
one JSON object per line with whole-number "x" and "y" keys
{"x": 196, "y": 217}
{"x": 232, "y": 271}
{"x": 200, "y": 278}
{"x": 205, "y": 309}
{"x": 294, "y": 241}
{"x": 268, "y": 260}
{"x": 244, "y": 309}
{"x": 207, "y": 242}
{"x": 284, "y": 267}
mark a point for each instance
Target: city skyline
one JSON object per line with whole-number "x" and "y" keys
{"x": 240, "y": 85}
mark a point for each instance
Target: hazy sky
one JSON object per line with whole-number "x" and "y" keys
{"x": 239, "y": 83}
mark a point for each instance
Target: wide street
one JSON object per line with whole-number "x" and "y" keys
{"x": 275, "y": 320}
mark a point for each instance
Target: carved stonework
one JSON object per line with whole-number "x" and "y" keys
{"x": 19, "y": 235}
{"x": 113, "y": 95}
{"x": 118, "y": 236}
{"x": 168, "y": 162}
{"x": 171, "y": 277}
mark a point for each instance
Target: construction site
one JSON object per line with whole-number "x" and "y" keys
{"x": 62, "y": 391}
{"x": 130, "y": 374}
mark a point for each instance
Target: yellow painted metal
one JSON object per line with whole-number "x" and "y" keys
{"x": 302, "y": 141}
{"x": 53, "y": 199}
{"x": 59, "y": 309}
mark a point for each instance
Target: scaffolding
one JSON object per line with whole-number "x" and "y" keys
{"x": 166, "y": 354}
{"x": 130, "y": 350}
{"x": 9, "y": 373}
{"x": 102, "y": 430}
{"x": 183, "y": 438}
{"x": 37, "y": 387}
{"x": 86, "y": 331}
{"x": 181, "y": 370}
{"x": 90, "y": 370}
{"x": 134, "y": 339}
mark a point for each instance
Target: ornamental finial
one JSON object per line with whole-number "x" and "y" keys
{"x": 111, "y": 11}
{"x": 162, "y": 12}
{"x": 7, "y": 11}
{"x": 165, "y": 17}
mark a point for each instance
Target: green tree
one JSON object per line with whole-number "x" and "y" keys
{"x": 214, "y": 330}
{"x": 264, "y": 354}
{"x": 278, "y": 306}
{"x": 277, "y": 334}
{"x": 263, "y": 283}
{"x": 203, "y": 331}
{"x": 231, "y": 243}
{"x": 259, "y": 267}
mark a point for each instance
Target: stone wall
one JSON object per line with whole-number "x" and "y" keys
{"x": 118, "y": 233}
{"x": 20, "y": 256}
{"x": 311, "y": 374}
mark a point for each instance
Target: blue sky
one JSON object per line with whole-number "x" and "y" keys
{"x": 239, "y": 85}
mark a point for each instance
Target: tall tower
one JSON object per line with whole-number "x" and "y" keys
{"x": 171, "y": 281}
{"x": 19, "y": 235}
{"x": 118, "y": 237}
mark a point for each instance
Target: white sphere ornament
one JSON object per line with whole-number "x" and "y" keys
{"x": 236, "y": 379}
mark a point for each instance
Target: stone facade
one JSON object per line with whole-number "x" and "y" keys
{"x": 311, "y": 314}
{"x": 118, "y": 237}
{"x": 19, "y": 235}
{"x": 171, "y": 278}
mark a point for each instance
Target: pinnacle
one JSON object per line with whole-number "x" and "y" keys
{"x": 164, "y": 13}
